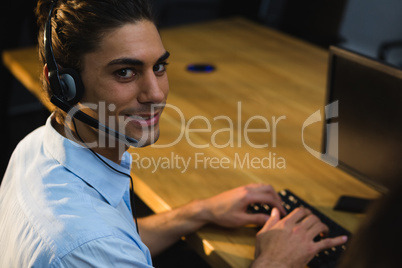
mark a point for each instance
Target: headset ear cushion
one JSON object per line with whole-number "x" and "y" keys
{"x": 72, "y": 85}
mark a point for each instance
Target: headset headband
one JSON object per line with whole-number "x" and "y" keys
{"x": 54, "y": 76}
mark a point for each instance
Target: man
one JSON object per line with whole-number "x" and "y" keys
{"x": 65, "y": 199}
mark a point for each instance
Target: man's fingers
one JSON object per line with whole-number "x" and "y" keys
{"x": 273, "y": 219}
{"x": 265, "y": 194}
{"x": 318, "y": 228}
{"x": 297, "y": 215}
{"x": 263, "y": 198}
{"x": 313, "y": 225}
{"x": 263, "y": 189}
{"x": 331, "y": 242}
{"x": 258, "y": 219}
{"x": 270, "y": 190}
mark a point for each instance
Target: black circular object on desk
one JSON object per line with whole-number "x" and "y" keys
{"x": 200, "y": 68}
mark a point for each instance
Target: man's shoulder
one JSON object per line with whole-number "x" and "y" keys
{"x": 99, "y": 251}
{"x": 28, "y": 148}
{"x": 33, "y": 137}
{"x": 107, "y": 251}
{"x": 81, "y": 236}
{"x": 52, "y": 228}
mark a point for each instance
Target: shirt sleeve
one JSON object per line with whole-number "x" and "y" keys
{"x": 107, "y": 252}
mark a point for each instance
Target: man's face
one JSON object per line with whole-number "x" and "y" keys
{"x": 127, "y": 72}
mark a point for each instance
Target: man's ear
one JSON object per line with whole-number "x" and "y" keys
{"x": 46, "y": 73}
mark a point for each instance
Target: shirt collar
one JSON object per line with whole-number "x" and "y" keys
{"x": 84, "y": 164}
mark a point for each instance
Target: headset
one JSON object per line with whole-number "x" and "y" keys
{"x": 67, "y": 88}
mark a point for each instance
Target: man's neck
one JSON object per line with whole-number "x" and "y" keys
{"x": 86, "y": 136}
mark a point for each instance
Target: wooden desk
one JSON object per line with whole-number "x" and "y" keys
{"x": 262, "y": 78}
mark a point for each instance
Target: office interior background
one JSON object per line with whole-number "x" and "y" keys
{"x": 370, "y": 27}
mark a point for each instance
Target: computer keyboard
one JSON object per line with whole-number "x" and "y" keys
{"x": 325, "y": 259}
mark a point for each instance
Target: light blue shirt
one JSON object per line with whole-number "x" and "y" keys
{"x": 60, "y": 206}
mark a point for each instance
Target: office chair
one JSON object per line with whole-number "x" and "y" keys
{"x": 386, "y": 47}
{"x": 315, "y": 21}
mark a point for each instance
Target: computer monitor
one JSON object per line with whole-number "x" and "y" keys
{"x": 369, "y": 95}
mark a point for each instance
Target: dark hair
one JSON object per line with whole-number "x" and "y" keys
{"x": 79, "y": 25}
{"x": 377, "y": 242}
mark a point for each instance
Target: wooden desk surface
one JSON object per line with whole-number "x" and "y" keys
{"x": 263, "y": 80}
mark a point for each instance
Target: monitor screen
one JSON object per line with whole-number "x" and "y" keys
{"x": 369, "y": 96}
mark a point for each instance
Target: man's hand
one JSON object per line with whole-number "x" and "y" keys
{"x": 289, "y": 242}
{"x": 229, "y": 209}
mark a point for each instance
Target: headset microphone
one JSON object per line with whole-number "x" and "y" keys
{"x": 83, "y": 117}
{"x": 67, "y": 88}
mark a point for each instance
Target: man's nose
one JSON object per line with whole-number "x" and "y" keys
{"x": 152, "y": 90}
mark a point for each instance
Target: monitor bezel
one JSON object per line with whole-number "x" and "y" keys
{"x": 334, "y": 52}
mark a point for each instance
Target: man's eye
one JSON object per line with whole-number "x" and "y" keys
{"x": 125, "y": 73}
{"x": 160, "y": 67}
